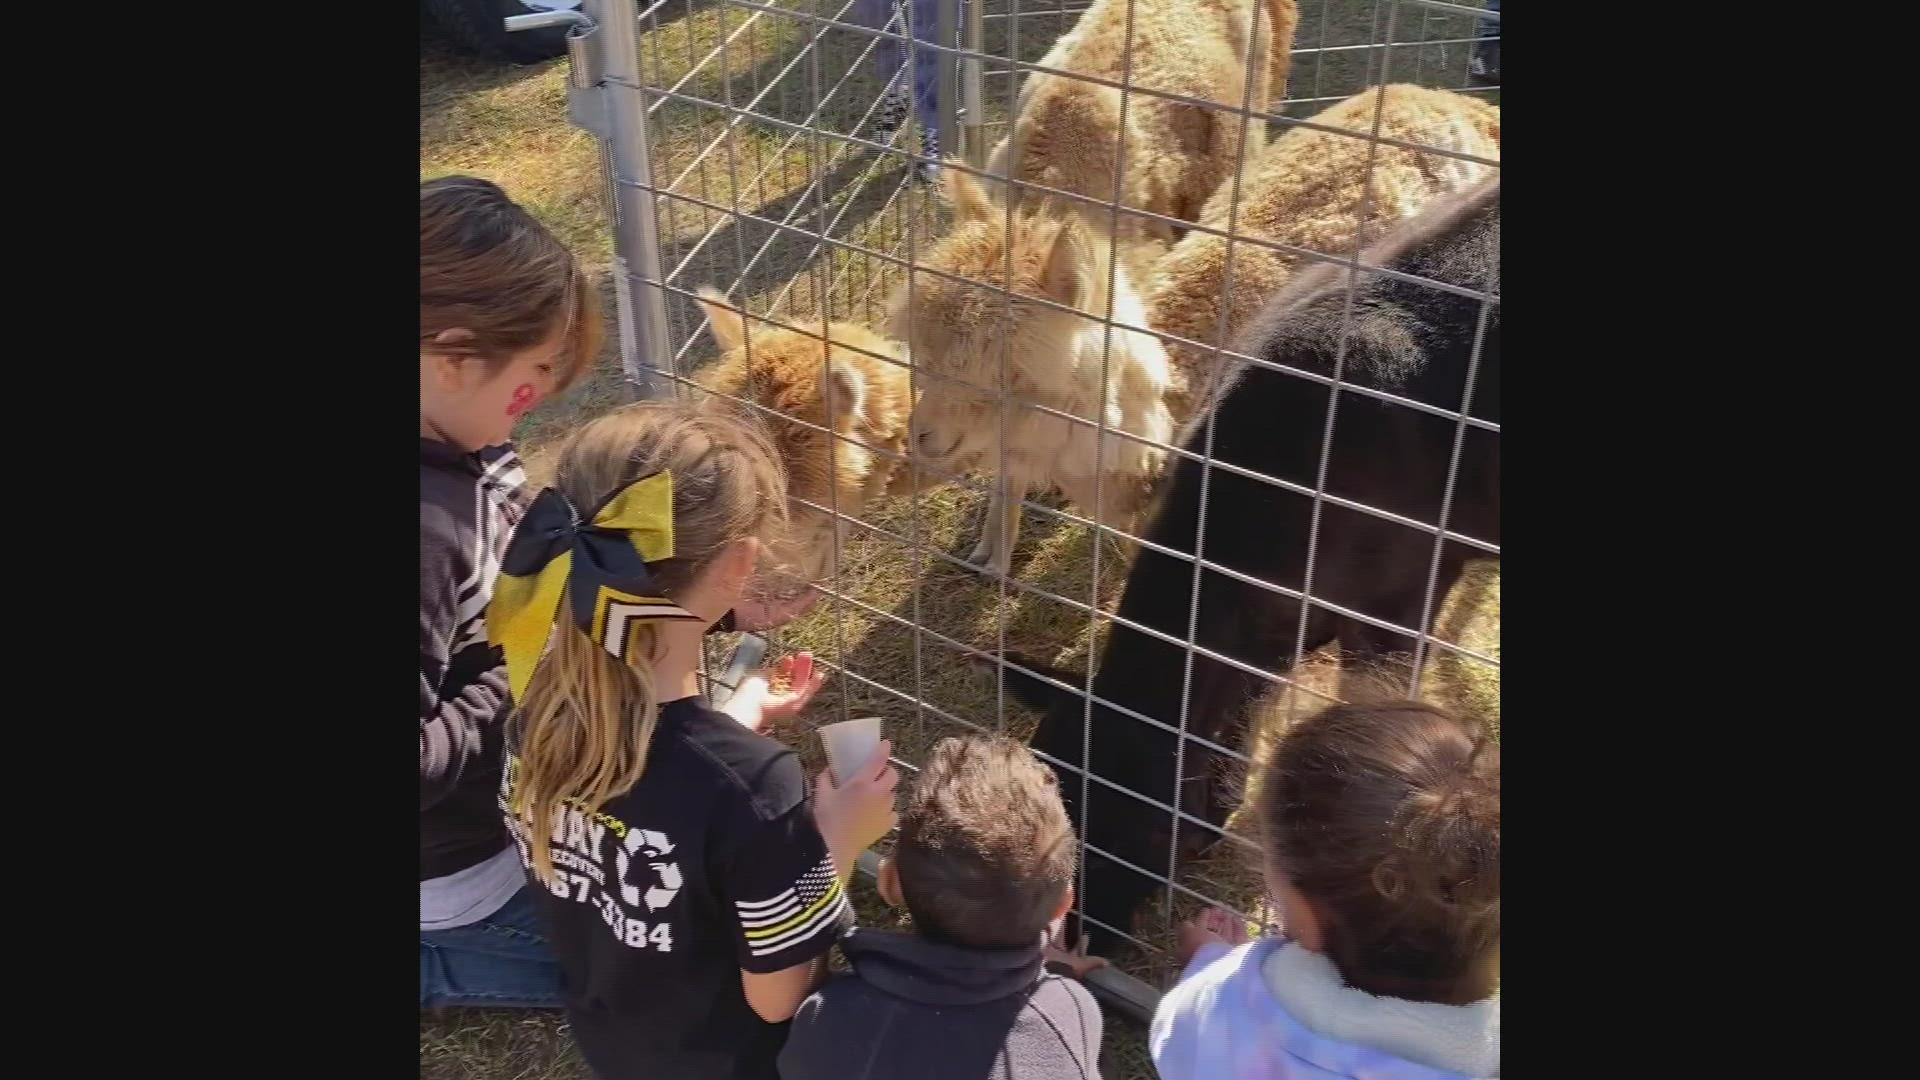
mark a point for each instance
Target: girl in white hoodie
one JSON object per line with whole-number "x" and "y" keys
{"x": 1382, "y": 830}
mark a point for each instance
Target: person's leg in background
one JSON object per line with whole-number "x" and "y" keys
{"x": 925, "y": 15}
{"x": 888, "y": 57}
{"x": 500, "y": 962}
{"x": 1484, "y": 68}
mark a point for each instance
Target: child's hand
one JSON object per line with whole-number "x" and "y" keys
{"x": 1076, "y": 963}
{"x": 776, "y": 693}
{"x": 793, "y": 683}
{"x": 1215, "y": 924}
{"x": 854, "y": 816}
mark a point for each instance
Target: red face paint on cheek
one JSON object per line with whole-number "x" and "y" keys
{"x": 522, "y": 401}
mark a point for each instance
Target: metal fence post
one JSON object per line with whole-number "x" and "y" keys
{"x": 972, "y": 101}
{"x": 946, "y": 32}
{"x": 609, "y": 56}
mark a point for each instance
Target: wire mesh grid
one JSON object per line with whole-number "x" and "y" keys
{"x": 786, "y": 173}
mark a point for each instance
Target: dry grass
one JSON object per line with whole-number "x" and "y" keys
{"x": 508, "y": 124}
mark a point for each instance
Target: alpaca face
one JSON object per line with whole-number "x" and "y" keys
{"x": 973, "y": 339}
{"x": 813, "y": 384}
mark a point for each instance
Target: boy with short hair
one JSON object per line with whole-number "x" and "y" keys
{"x": 984, "y": 865}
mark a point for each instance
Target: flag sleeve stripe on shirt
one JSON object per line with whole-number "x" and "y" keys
{"x": 828, "y": 919}
{"x": 816, "y": 901}
{"x": 747, "y": 926}
{"x": 804, "y": 915}
{"x": 815, "y": 885}
{"x": 749, "y": 906}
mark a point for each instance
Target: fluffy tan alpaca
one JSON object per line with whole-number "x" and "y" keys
{"x": 839, "y": 388}
{"x": 1306, "y": 189}
{"x": 1066, "y": 131}
{"x": 1067, "y": 135}
{"x": 960, "y": 334}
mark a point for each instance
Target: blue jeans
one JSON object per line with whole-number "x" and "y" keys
{"x": 1488, "y": 52}
{"x": 890, "y": 56}
{"x": 500, "y": 962}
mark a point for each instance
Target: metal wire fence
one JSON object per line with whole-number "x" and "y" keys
{"x": 770, "y": 150}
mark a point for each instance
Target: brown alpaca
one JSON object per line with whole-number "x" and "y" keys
{"x": 961, "y": 334}
{"x": 798, "y": 376}
{"x": 1066, "y": 131}
{"x": 1305, "y": 189}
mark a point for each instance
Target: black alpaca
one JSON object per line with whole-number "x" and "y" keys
{"x": 1408, "y": 339}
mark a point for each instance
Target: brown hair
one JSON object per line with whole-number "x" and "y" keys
{"x": 587, "y": 718}
{"x": 985, "y": 850}
{"x": 490, "y": 268}
{"x": 1387, "y": 818}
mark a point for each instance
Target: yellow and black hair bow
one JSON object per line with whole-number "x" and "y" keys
{"x": 600, "y": 565}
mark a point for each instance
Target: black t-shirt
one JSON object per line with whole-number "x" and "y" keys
{"x": 711, "y": 864}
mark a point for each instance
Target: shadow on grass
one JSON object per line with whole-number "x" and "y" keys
{"x": 844, "y": 204}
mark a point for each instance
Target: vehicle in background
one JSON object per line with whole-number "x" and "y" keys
{"x": 479, "y": 27}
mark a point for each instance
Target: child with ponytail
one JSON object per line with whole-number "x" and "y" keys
{"x": 507, "y": 319}
{"x": 1382, "y": 830}
{"x": 688, "y": 885}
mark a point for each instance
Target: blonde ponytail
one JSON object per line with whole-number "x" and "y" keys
{"x": 587, "y": 719}
{"x": 585, "y": 728}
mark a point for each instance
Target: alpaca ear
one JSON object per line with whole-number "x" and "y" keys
{"x": 964, "y": 194}
{"x": 1065, "y": 273}
{"x": 846, "y": 392}
{"x": 729, "y": 329}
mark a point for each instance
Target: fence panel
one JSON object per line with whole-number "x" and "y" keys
{"x": 772, "y": 150}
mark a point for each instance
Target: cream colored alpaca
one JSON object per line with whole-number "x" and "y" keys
{"x": 1306, "y": 189}
{"x": 1067, "y": 135}
{"x": 1067, "y": 360}
{"x": 1066, "y": 131}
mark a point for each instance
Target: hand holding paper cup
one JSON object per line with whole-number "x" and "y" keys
{"x": 853, "y": 796}
{"x": 849, "y": 744}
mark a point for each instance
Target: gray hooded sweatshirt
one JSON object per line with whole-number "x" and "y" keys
{"x": 914, "y": 1009}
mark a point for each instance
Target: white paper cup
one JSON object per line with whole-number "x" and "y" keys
{"x": 849, "y": 744}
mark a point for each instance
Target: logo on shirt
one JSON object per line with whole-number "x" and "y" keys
{"x": 624, "y": 873}
{"x": 642, "y": 856}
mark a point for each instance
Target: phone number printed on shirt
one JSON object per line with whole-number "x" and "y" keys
{"x": 587, "y": 849}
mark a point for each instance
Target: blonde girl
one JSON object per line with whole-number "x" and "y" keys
{"x": 688, "y": 884}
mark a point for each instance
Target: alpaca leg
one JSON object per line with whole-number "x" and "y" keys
{"x": 995, "y": 551}
{"x": 1114, "y": 508}
{"x": 984, "y": 550}
{"x": 1017, "y": 491}
{"x": 987, "y": 549}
